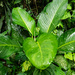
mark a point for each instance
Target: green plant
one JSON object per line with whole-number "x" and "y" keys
{"x": 42, "y": 51}
{"x": 42, "y": 44}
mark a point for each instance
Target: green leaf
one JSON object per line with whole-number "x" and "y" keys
{"x": 16, "y": 33}
{"x": 37, "y": 29}
{"x": 8, "y": 20}
{"x": 55, "y": 70}
{"x": 60, "y": 24}
{"x": 1, "y": 4}
{"x": 51, "y": 15}
{"x": 21, "y": 73}
{"x": 59, "y": 33}
{"x": 36, "y": 72}
{"x": 8, "y": 46}
{"x": 41, "y": 72}
{"x": 42, "y": 52}
{"x": 68, "y": 56}
{"x": 73, "y": 73}
{"x": 61, "y": 62}
{"x": 74, "y": 56}
{"x": 51, "y": 70}
{"x": 66, "y": 15}
{"x": 17, "y": 1}
{"x": 59, "y": 71}
{"x": 69, "y": 72}
{"x": 22, "y": 18}
{"x": 73, "y": 1}
{"x": 4, "y": 33}
{"x": 25, "y": 66}
{"x": 66, "y": 41}
{"x": 3, "y": 69}
{"x": 73, "y": 15}
{"x": 69, "y": 7}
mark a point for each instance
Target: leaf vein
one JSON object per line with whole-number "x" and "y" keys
{"x": 24, "y": 21}
{"x": 54, "y": 16}
{"x": 39, "y": 48}
{"x": 66, "y": 44}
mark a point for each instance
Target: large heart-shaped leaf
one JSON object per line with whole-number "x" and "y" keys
{"x": 22, "y": 18}
{"x": 42, "y": 52}
{"x": 51, "y": 15}
{"x": 67, "y": 41}
{"x": 8, "y": 46}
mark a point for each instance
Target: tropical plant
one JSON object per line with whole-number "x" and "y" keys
{"x": 38, "y": 47}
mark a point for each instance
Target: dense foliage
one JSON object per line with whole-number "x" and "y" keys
{"x": 37, "y": 37}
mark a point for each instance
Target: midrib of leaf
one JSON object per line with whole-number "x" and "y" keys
{"x": 66, "y": 44}
{"x": 54, "y": 16}
{"x": 9, "y": 45}
{"x": 24, "y": 21}
{"x": 39, "y": 48}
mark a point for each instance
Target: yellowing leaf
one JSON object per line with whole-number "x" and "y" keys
{"x": 68, "y": 56}
{"x": 25, "y": 66}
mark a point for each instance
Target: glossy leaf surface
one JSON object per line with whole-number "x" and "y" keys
{"x": 51, "y": 70}
{"x": 42, "y": 52}
{"x": 66, "y": 41}
{"x": 51, "y": 15}
{"x": 22, "y": 18}
{"x": 16, "y": 34}
{"x": 8, "y": 46}
{"x": 61, "y": 62}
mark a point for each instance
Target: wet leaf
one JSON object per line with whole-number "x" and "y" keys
{"x": 61, "y": 62}
{"x": 16, "y": 33}
{"x": 22, "y": 18}
{"x": 51, "y": 70}
{"x": 51, "y": 15}
{"x": 66, "y": 41}
{"x": 8, "y": 46}
{"x": 42, "y": 52}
